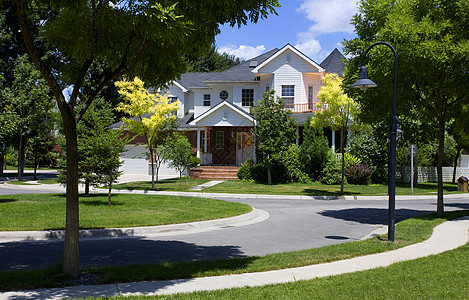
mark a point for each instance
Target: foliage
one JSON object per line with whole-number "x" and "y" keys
{"x": 351, "y": 160}
{"x": 275, "y": 130}
{"x": 99, "y": 148}
{"x": 245, "y": 171}
{"x": 180, "y": 156}
{"x": 211, "y": 61}
{"x": 332, "y": 173}
{"x": 431, "y": 42}
{"x": 314, "y": 152}
{"x": 359, "y": 174}
{"x": 28, "y": 107}
{"x": 144, "y": 38}
{"x": 293, "y": 165}
{"x": 150, "y": 115}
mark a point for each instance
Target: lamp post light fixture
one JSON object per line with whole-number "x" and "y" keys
{"x": 363, "y": 83}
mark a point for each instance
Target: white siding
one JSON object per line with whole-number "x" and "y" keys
{"x": 237, "y": 91}
{"x": 295, "y": 62}
{"x": 214, "y": 93}
{"x": 225, "y": 116}
{"x": 313, "y": 80}
{"x": 175, "y": 91}
{"x": 287, "y": 75}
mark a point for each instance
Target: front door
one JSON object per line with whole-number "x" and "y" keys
{"x": 244, "y": 147}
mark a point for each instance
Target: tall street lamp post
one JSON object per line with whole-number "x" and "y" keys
{"x": 363, "y": 83}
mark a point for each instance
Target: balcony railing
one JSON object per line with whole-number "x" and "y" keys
{"x": 296, "y": 107}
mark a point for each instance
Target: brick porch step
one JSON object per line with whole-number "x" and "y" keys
{"x": 215, "y": 172}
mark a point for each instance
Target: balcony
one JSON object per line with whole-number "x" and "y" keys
{"x": 296, "y": 107}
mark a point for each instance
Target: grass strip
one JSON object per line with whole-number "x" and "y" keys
{"x": 407, "y": 232}
{"x": 320, "y": 189}
{"x": 47, "y": 211}
{"x": 173, "y": 184}
{"x": 442, "y": 276}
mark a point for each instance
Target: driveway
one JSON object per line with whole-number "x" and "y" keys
{"x": 293, "y": 225}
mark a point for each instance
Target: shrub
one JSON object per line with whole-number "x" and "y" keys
{"x": 359, "y": 174}
{"x": 259, "y": 173}
{"x": 314, "y": 152}
{"x": 245, "y": 173}
{"x": 333, "y": 171}
{"x": 292, "y": 164}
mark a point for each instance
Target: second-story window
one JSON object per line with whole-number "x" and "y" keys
{"x": 247, "y": 97}
{"x": 288, "y": 95}
{"x": 206, "y": 100}
{"x": 310, "y": 97}
{"x": 172, "y": 99}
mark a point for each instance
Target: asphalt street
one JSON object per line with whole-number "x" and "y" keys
{"x": 293, "y": 225}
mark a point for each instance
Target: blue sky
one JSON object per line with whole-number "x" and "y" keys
{"x": 315, "y": 27}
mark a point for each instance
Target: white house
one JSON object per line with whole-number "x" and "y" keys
{"x": 215, "y": 107}
{"x": 218, "y": 105}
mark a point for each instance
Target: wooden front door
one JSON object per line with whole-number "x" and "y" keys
{"x": 244, "y": 147}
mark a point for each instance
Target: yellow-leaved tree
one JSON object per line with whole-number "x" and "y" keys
{"x": 150, "y": 115}
{"x": 337, "y": 109}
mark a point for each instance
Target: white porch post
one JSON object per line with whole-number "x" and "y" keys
{"x": 205, "y": 140}
{"x": 297, "y": 136}
{"x": 333, "y": 141}
{"x": 198, "y": 143}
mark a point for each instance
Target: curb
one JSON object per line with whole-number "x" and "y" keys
{"x": 254, "y": 216}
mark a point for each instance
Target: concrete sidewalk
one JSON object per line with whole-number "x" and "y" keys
{"x": 446, "y": 236}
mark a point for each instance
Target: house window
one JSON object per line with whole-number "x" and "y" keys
{"x": 288, "y": 95}
{"x": 267, "y": 88}
{"x": 206, "y": 100}
{"x": 223, "y": 95}
{"x": 310, "y": 97}
{"x": 172, "y": 99}
{"x": 220, "y": 140}
{"x": 247, "y": 97}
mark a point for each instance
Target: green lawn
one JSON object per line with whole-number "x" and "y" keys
{"x": 320, "y": 189}
{"x": 407, "y": 232}
{"x": 174, "y": 184}
{"x": 442, "y": 276}
{"x": 47, "y": 211}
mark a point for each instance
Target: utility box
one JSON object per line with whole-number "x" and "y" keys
{"x": 462, "y": 184}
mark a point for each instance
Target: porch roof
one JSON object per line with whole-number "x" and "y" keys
{"x": 224, "y": 114}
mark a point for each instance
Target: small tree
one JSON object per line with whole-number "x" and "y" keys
{"x": 337, "y": 110}
{"x": 314, "y": 152}
{"x": 179, "y": 153}
{"x": 151, "y": 114}
{"x": 275, "y": 130}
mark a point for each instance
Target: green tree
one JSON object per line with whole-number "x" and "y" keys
{"x": 431, "y": 42}
{"x": 337, "y": 110}
{"x": 458, "y": 129}
{"x": 211, "y": 61}
{"x": 144, "y": 38}
{"x": 151, "y": 115}
{"x": 275, "y": 130}
{"x": 30, "y": 101}
{"x": 179, "y": 153}
{"x": 314, "y": 151}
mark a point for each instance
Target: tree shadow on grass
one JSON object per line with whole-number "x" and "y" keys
{"x": 372, "y": 216}
{"x": 325, "y": 192}
{"x": 8, "y": 200}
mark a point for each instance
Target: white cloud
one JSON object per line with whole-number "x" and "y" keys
{"x": 243, "y": 51}
{"x": 328, "y": 16}
{"x": 311, "y": 48}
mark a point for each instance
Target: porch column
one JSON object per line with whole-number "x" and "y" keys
{"x": 297, "y": 136}
{"x": 198, "y": 143}
{"x": 333, "y": 141}
{"x": 205, "y": 140}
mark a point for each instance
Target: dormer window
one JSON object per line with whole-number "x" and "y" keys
{"x": 207, "y": 100}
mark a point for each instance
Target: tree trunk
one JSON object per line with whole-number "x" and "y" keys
{"x": 70, "y": 265}
{"x": 20, "y": 156}
{"x": 269, "y": 175}
{"x": 87, "y": 187}
{"x": 455, "y": 163}
{"x": 2, "y": 161}
{"x": 439, "y": 168}
{"x": 342, "y": 133}
{"x": 152, "y": 169}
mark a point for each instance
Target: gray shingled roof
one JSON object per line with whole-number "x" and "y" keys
{"x": 241, "y": 72}
{"x": 334, "y": 63}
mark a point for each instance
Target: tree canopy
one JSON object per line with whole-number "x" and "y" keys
{"x": 432, "y": 44}
{"x": 144, "y": 38}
